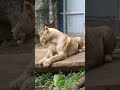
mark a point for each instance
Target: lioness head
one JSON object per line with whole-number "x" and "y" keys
{"x": 25, "y": 23}
{"x": 46, "y": 35}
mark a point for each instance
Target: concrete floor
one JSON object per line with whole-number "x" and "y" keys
{"x": 105, "y": 77}
{"x": 12, "y": 66}
{"x": 71, "y": 63}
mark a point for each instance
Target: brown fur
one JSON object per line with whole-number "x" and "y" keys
{"x": 22, "y": 29}
{"x": 100, "y": 43}
{"x": 60, "y": 46}
{"x": 25, "y": 25}
{"x": 24, "y": 81}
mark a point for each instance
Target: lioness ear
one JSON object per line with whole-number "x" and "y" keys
{"x": 12, "y": 30}
{"x": 27, "y": 6}
{"x": 46, "y": 29}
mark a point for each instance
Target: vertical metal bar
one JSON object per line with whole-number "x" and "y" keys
{"x": 64, "y": 16}
{"x": 117, "y": 10}
{"x": 84, "y": 22}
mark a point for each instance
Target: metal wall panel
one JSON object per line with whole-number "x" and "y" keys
{"x": 75, "y": 24}
{"x": 75, "y": 5}
{"x": 75, "y": 14}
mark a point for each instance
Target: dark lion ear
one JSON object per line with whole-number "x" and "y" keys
{"x": 46, "y": 29}
{"x": 27, "y": 6}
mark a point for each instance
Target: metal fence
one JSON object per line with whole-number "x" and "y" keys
{"x": 101, "y": 9}
{"x": 103, "y": 12}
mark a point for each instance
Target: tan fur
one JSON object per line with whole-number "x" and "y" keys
{"x": 60, "y": 46}
{"x": 25, "y": 25}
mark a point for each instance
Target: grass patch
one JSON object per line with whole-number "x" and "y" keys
{"x": 59, "y": 81}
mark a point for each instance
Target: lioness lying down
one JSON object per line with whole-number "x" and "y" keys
{"x": 60, "y": 46}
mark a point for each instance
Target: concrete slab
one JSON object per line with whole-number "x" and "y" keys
{"x": 12, "y": 66}
{"x": 72, "y": 63}
{"x": 106, "y": 77}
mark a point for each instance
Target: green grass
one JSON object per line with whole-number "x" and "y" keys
{"x": 59, "y": 81}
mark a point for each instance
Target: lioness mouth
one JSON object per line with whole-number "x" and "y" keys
{"x": 18, "y": 38}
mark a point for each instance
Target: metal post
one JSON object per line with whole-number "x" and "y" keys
{"x": 64, "y": 16}
{"x": 84, "y": 22}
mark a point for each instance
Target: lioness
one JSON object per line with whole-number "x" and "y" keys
{"x": 25, "y": 25}
{"x": 100, "y": 44}
{"x": 60, "y": 45}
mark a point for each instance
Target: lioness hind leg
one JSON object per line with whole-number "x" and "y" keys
{"x": 57, "y": 57}
{"x": 81, "y": 45}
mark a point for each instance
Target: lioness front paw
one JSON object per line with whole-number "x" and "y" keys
{"x": 13, "y": 85}
{"x": 47, "y": 63}
{"x": 41, "y": 62}
{"x": 108, "y": 58}
{"x": 19, "y": 42}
